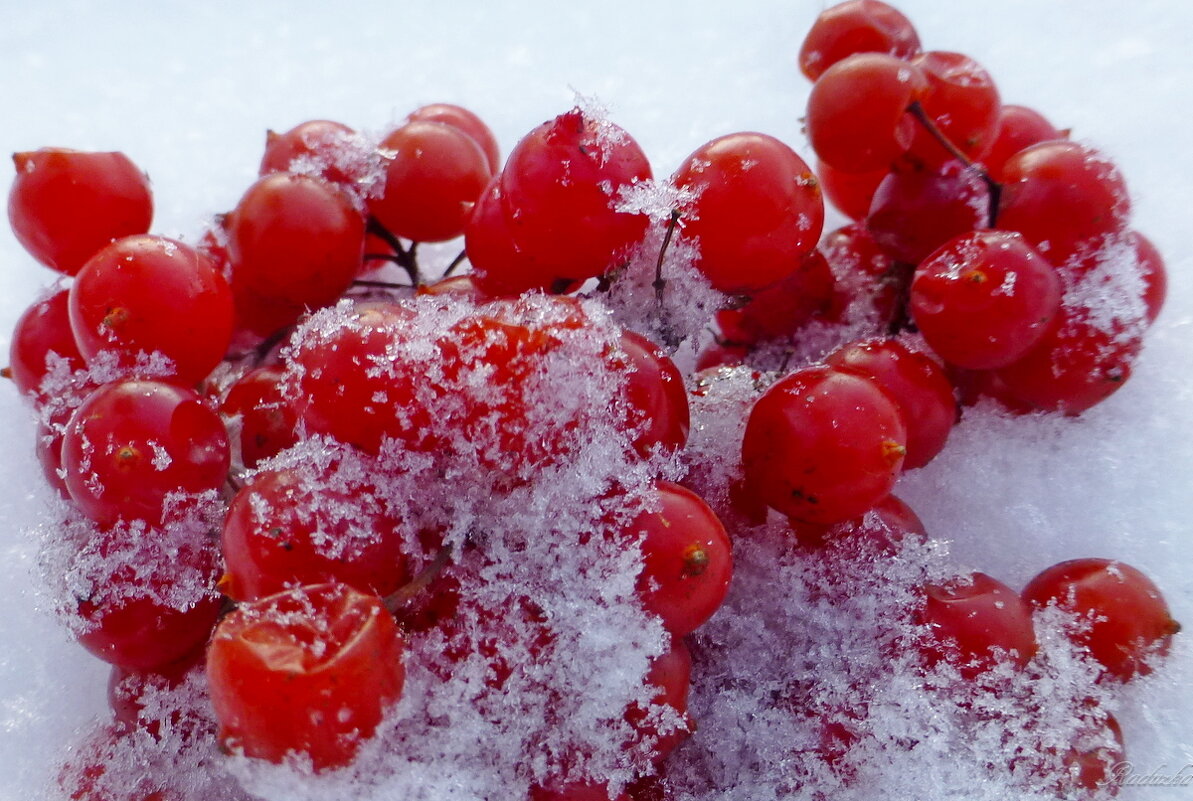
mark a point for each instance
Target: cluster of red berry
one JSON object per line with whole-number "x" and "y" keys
{"x": 275, "y": 385}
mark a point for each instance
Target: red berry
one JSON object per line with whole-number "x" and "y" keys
{"x": 919, "y": 387}
{"x": 984, "y": 299}
{"x": 465, "y": 121}
{"x": 1065, "y": 198}
{"x": 309, "y": 671}
{"x": 656, "y": 401}
{"x": 267, "y": 421}
{"x": 288, "y": 527}
{"x": 687, "y": 557}
{"x": 434, "y": 175}
{"x": 1124, "y": 623}
{"x": 65, "y": 205}
{"x": 314, "y": 147}
{"x": 856, "y": 26}
{"x": 857, "y": 115}
{"x": 149, "y": 294}
{"x": 43, "y": 329}
{"x": 132, "y": 444}
{"x": 976, "y": 622}
{"x": 962, "y": 102}
{"x": 756, "y": 210}
{"x": 823, "y": 445}
{"x": 1019, "y": 127}
{"x": 295, "y": 240}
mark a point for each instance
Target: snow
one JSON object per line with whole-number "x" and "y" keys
{"x": 189, "y": 91}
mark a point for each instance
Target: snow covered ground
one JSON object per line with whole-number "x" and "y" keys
{"x": 188, "y": 90}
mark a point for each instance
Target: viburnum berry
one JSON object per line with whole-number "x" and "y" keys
{"x": 150, "y": 294}
{"x": 919, "y": 387}
{"x": 656, "y": 401}
{"x": 1019, "y": 127}
{"x": 857, "y": 116}
{"x": 434, "y": 175}
{"x": 133, "y": 443}
{"x": 309, "y": 672}
{"x": 984, "y": 299}
{"x": 687, "y": 558}
{"x": 267, "y": 421}
{"x": 1123, "y": 621}
{"x": 1152, "y": 271}
{"x": 962, "y": 103}
{"x": 917, "y": 209}
{"x": 43, "y": 338}
{"x": 850, "y": 192}
{"x": 463, "y": 120}
{"x": 882, "y": 529}
{"x": 822, "y": 445}
{"x": 65, "y": 205}
{"x": 314, "y": 147}
{"x": 551, "y": 217}
{"x": 670, "y": 677}
{"x": 856, "y": 26}
{"x": 296, "y": 240}
{"x": 974, "y": 623}
{"x": 296, "y": 526}
{"x": 756, "y": 210}
{"x": 1065, "y": 198}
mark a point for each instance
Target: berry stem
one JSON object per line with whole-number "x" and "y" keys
{"x": 404, "y": 257}
{"x": 456, "y": 262}
{"x": 659, "y": 283}
{"x": 404, "y": 594}
{"x": 916, "y": 110}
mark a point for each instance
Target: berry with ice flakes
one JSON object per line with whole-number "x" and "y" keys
{"x": 551, "y": 217}
{"x": 150, "y": 294}
{"x": 975, "y": 623}
{"x": 1123, "y": 621}
{"x": 856, "y": 26}
{"x": 309, "y": 673}
{"x": 687, "y": 556}
{"x": 881, "y": 530}
{"x": 42, "y": 339}
{"x": 823, "y": 445}
{"x": 664, "y": 721}
{"x": 1065, "y": 198}
{"x": 656, "y": 401}
{"x": 984, "y": 299}
{"x": 314, "y": 147}
{"x": 305, "y": 525}
{"x": 65, "y": 205}
{"x": 755, "y": 210}
{"x": 133, "y": 443}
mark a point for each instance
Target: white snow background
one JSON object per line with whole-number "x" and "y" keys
{"x": 188, "y": 91}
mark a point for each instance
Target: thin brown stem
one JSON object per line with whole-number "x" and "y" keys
{"x": 408, "y": 591}
{"x": 659, "y": 283}
{"x": 403, "y": 257}
{"x": 916, "y": 110}
{"x": 456, "y": 262}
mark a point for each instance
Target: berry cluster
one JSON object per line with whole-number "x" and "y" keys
{"x": 313, "y": 500}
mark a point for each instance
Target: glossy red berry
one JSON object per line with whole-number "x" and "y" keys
{"x": 266, "y": 420}
{"x": 310, "y": 671}
{"x": 434, "y": 175}
{"x": 918, "y": 385}
{"x": 464, "y": 120}
{"x": 131, "y": 444}
{"x": 314, "y": 147}
{"x": 65, "y": 205}
{"x": 149, "y": 294}
{"x": 43, "y": 341}
{"x": 822, "y": 445}
{"x": 1123, "y": 621}
{"x": 974, "y": 623}
{"x": 756, "y": 210}
{"x": 984, "y": 299}
{"x": 856, "y": 26}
